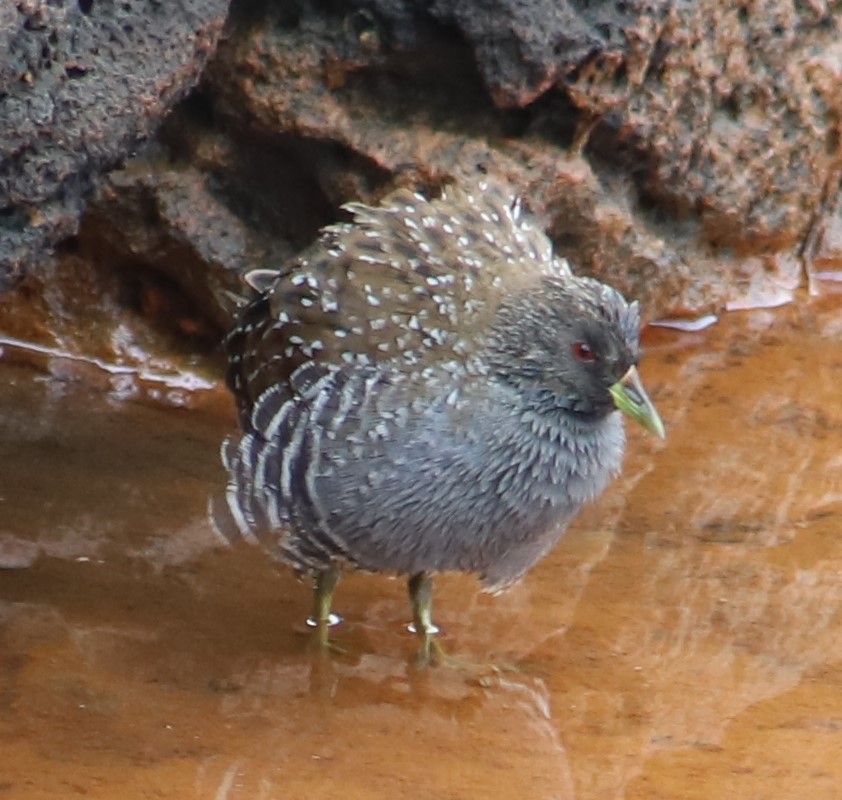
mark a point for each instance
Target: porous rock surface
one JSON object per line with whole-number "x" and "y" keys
{"x": 82, "y": 82}
{"x": 689, "y": 153}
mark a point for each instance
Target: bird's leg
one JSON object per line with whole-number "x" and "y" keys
{"x": 421, "y": 598}
{"x": 324, "y": 584}
{"x": 431, "y": 651}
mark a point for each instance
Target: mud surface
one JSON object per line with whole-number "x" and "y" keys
{"x": 683, "y": 641}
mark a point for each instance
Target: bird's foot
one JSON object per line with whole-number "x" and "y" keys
{"x": 432, "y": 653}
{"x": 321, "y": 640}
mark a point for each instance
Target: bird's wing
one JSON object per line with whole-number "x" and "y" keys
{"x": 412, "y": 281}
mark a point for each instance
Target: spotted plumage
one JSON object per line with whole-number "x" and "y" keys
{"x": 427, "y": 388}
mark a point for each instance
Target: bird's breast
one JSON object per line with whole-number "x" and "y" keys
{"x": 479, "y": 487}
{"x": 565, "y": 461}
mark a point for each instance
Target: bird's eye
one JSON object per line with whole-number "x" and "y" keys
{"x": 583, "y": 352}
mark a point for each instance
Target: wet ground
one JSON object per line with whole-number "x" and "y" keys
{"x": 683, "y": 641}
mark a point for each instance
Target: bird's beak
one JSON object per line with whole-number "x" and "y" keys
{"x": 630, "y": 397}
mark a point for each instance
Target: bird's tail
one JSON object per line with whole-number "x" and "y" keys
{"x": 252, "y": 507}
{"x": 238, "y": 512}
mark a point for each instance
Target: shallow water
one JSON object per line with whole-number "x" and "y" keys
{"x": 683, "y": 641}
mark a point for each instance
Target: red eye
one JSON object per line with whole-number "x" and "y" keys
{"x": 583, "y": 352}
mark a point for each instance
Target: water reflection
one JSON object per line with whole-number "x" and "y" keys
{"x": 685, "y": 640}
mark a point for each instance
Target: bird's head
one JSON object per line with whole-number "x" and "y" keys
{"x": 572, "y": 345}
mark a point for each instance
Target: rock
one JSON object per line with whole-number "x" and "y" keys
{"x": 81, "y": 83}
{"x": 688, "y": 154}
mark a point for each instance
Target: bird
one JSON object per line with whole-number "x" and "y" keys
{"x": 427, "y": 388}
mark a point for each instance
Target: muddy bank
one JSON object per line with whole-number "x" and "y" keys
{"x": 682, "y": 641}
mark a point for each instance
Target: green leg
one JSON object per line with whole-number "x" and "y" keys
{"x": 421, "y": 598}
{"x": 431, "y": 652}
{"x": 324, "y": 585}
